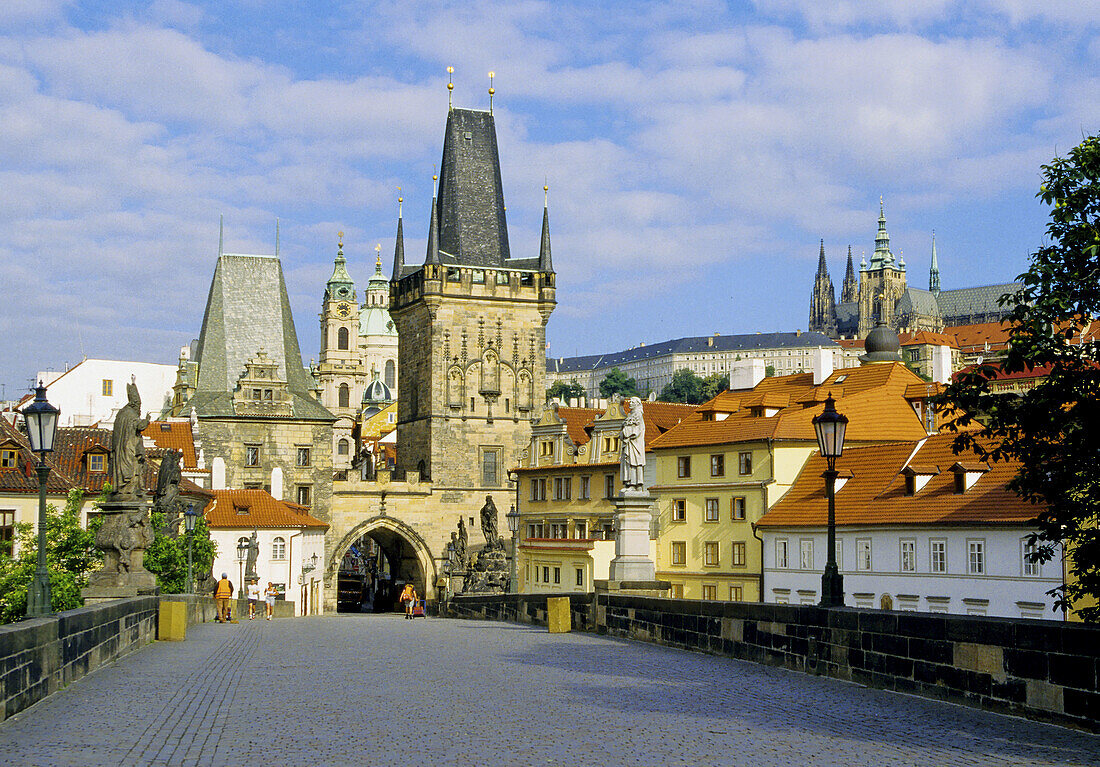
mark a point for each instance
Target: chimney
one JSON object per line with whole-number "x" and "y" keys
{"x": 823, "y": 364}
{"x": 710, "y": 341}
{"x": 746, "y": 374}
{"x": 941, "y": 364}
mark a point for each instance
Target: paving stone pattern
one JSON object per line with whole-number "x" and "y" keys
{"x": 381, "y": 690}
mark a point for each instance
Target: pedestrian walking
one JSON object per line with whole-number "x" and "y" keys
{"x": 253, "y": 598}
{"x": 269, "y": 596}
{"x": 223, "y": 592}
{"x": 408, "y": 597}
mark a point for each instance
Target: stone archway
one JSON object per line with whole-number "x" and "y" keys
{"x": 409, "y": 556}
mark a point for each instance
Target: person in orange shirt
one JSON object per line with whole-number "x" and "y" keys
{"x": 223, "y": 592}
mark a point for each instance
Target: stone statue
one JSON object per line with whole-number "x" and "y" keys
{"x": 489, "y": 524}
{"x": 123, "y": 537}
{"x": 463, "y": 540}
{"x": 253, "y": 552}
{"x": 127, "y": 448}
{"x": 166, "y": 498}
{"x": 632, "y": 458}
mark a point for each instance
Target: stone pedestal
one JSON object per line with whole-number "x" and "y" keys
{"x": 488, "y": 573}
{"x": 633, "y": 519}
{"x": 123, "y": 537}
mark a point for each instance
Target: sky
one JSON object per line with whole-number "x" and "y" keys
{"x": 696, "y": 152}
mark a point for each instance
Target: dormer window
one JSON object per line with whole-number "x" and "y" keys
{"x": 8, "y": 459}
{"x": 916, "y": 477}
{"x": 96, "y": 462}
{"x": 966, "y": 474}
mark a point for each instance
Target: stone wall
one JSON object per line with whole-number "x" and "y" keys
{"x": 1047, "y": 670}
{"x": 41, "y": 655}
{"x": 203, "y": 609}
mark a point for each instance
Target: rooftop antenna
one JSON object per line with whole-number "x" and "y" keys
{"x": 221, "y": 233}
{"x": 450, "y": 87}
{"x": 492, "y": 90}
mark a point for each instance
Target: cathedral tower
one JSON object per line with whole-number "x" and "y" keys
{"x": 471, "y": 324}
{"x": 823, "y": 299}
{"x": 881, "y": 282}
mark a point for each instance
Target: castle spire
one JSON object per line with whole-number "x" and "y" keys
{"x": 849, "y": 291}
{"x": 432, "y": 256}
{"x": 545, "y": 264}
{"x": 399, "y": 245}
{"x": 882, "y": 256}
{"x": 339, "y": 285}
{"x": 934, "y": 272}
{"x": 823, "y": 299}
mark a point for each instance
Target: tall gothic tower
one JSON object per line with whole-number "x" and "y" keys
{"x": 849, "y": 291}
{"x": 340, "y": 370}
{"x": 823, "y": 299}
{"x": 881, "y": 282}
{"x": 471, "y": 324}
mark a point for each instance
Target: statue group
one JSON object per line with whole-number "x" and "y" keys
{"x": 487, "y": 573}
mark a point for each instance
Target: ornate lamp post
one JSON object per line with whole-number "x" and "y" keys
{"x": 513, "y": 524}
{"x": 830, "y": 427}
{"x": 450, "y": 569}
{"x": 242, "y": 553}
{"x": 189, "y": 518}
{"x": 41, "y": 418}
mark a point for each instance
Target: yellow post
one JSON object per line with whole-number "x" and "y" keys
{"x": 558, "y": 617}
{"x": 172, "y": 626}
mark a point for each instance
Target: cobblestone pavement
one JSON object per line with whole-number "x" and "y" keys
{"x": 380, "y": 690}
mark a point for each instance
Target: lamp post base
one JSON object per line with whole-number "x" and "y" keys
{"x": 38, "y": 595}
{"x": 832, "y": 587}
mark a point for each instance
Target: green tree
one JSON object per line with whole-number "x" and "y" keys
{"x": 70, "y": 556}
{"x": 715, "y": 384}
{"x": 769, "y": 371}
{"x": 1051, "y": 429}
{"x": 564, "y": 392}
{"x": 617, "y": 382}
{"x": 685, "y": 387}
{"x": 167, "y": 556}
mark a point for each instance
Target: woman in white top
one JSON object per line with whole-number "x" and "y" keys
{"x": 253, "y": 598}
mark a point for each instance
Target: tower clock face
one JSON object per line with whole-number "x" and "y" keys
{"x": 343, "y": 310}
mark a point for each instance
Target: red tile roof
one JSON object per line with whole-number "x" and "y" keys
{"x": 23, "y": 477}
{"x": 233, "y": 509}
{"x": 876, "y": 495}
{"x": 927, "y": 337}
{"x": 174, "y": 435}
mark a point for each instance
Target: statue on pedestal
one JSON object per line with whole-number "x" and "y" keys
{"x": 632, "y": 455}
{"x": 488, "y": 572}
{"x": 489, "y": 525}
{"x": 250, "y": 562}
{"x": 127, "y": 448}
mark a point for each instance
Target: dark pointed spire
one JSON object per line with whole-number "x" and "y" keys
{"x": 399, "y": 245}
{"x": 432, "y": 256}
{"x": 821, "y": 266}
{"x": 934, "y": 272}
{"x": 823, "y": 299}
{"x": 545, "y": 265}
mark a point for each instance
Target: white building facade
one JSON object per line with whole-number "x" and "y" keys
{"x": 92, "y": 391}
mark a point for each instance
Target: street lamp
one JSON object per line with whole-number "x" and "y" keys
{"x": 513, "y": 524}
{"x": 830, "y": 427}
{"x": 41, "y": 419}
{"x": 450, "y": 570}
{"x": 242, "y": 553}
{"x": 189, "y": 518}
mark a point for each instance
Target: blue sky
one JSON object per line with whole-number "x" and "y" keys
{"x": 696, "y": 152}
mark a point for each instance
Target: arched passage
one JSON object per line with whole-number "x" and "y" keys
{"x": 404, "y": 558}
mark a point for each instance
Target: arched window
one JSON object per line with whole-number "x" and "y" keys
{"x": 391, "y": 374}
{"x": 345, "y": 395}
{"x": 342, "y": 339}
{"x": 342, "y": 447}
{"x": 278, "y": 548}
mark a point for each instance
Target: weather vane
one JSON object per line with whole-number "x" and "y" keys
{"x": 450, "y": 87}
{"x": 492, "y": 90}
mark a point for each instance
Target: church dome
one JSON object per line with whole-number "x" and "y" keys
{"x": 375, "y": 321}
{"x": 881, "y": 345}
{"x": 377, "y": 393}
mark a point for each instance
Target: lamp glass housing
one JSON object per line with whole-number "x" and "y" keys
{"x": 830, "y": 427}
{"x": 41, "y": 418}
{"x": 242, "y": 550}
{"x": 513, "y": 519}
{"x": 190, "y": 517}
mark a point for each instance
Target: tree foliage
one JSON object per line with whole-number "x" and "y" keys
{"x": 692, "y": 389}
{"x": 71, "y": 556}
{"x": 167, "y": 556}
{"x": 1051, "y": 429}
{"x": 617, "y": 382}
{"x": 563, "y": 392}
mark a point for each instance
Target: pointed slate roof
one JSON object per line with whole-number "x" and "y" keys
{"x": 399, "y": 250}
{"x": 470, "y": 215}
{"x": 248, "y": 310}
{"x": 545, "y": 264}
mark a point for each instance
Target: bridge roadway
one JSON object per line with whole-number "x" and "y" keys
{"x": 380, "y": 690}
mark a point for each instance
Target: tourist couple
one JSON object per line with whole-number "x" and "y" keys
{"x": 254, "y": 596}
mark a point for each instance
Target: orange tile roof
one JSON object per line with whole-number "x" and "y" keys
{"x": 659, "y": 417}
{"x": 233, "y": 509}
{"x": 23, "y": 477}
{"x": 875, "y": 495}
{"x": 972, "y": 336}
{"x": 174, "y": 435}
{"x": 872, "y": 397}
{"x": 929, "y": 338}
{"x": 576, "y": 419}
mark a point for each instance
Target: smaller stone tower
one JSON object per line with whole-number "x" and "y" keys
{"x": 823, "y": 299}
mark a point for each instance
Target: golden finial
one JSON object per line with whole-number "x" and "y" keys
{"x": 450, "y": 87}
{"x": 400, "y": 200}
{"x": 545, "y": 193}
{"x": 378, "y": 255}
{"x": 492, "y": 90}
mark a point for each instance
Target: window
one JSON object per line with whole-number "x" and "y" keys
{"x": 710, "y": 554}
{"x": 580, "y": 576}
{"x": 679, "y": 510}
{"x": 738, "y": 548}
{"x": 937, "y": 555}
{"x": 737, "y": 508}
{"x": 305, "y": 494}
{"x": 342, "y": 339}
{"x": 717, "y": 465}
{"x": 535, "y": 530}
{"x": 251, "y": 455}
{"x": 558, "y": 530}
{"x": 268, "y": 394}
{"x": 391, "y": 373}
{"x": 490, "y": 460}
{"x": 8, "y": 459}
{"x": 609, "y": 486}
{"x": 679, "y": 552}
{"x": 610, "y": 445}
{"x": 477, "y": 277}
{"x": 839, "y": 554}
{"x": 863, "y": 553}
{"x": 256, "y": 394}
{"x": 538, "y": 489}
{"x": 586, "y": 488}
{"x": 710, "y": 592}
{"x": 108, "y": 387}
{"x": 806, "y": 554}
{"x": 546, "y": 448}
{"x": 557, "y": 575}
{"x": 454, "y": 274}
{"x": 95, "y": 462}
{"x": 563, "y": 488}
{"x": 343, "y": 396}
{"x": 737, "y": 594}
{"x": 303, "y": 456}
{"x": 683, "y": 466}
{"x": 278, "y": 548}
{"x": 677, "y": 591}
{"x": 580, "y": 530}
{"x": 502, "y": 278}
{"x": 975, "y": 556}
{"x": 342, "y": 447}
{"x": 744, "y": 463}
{"x": 780, "y": 552}
{"x": 711, "y": 510}
{"x": 7, "y": 530}
{"x": 545, "y": 574}
{"x": 1030, "y": 566}
{"x": 908, "y": 556}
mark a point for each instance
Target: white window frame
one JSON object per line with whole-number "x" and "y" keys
{"x": 976, "y": 563}
{"x": 907, "y": 555}
{"x": 711, "y": 510}
{"x": 782, "y": 560}
{"x": 1029, "y": 569}
{"x": 864, "y": 561}
{"x": 937, "y": 555}
{"x": 806, "y": 554}
{"x": 278, "y": 548}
